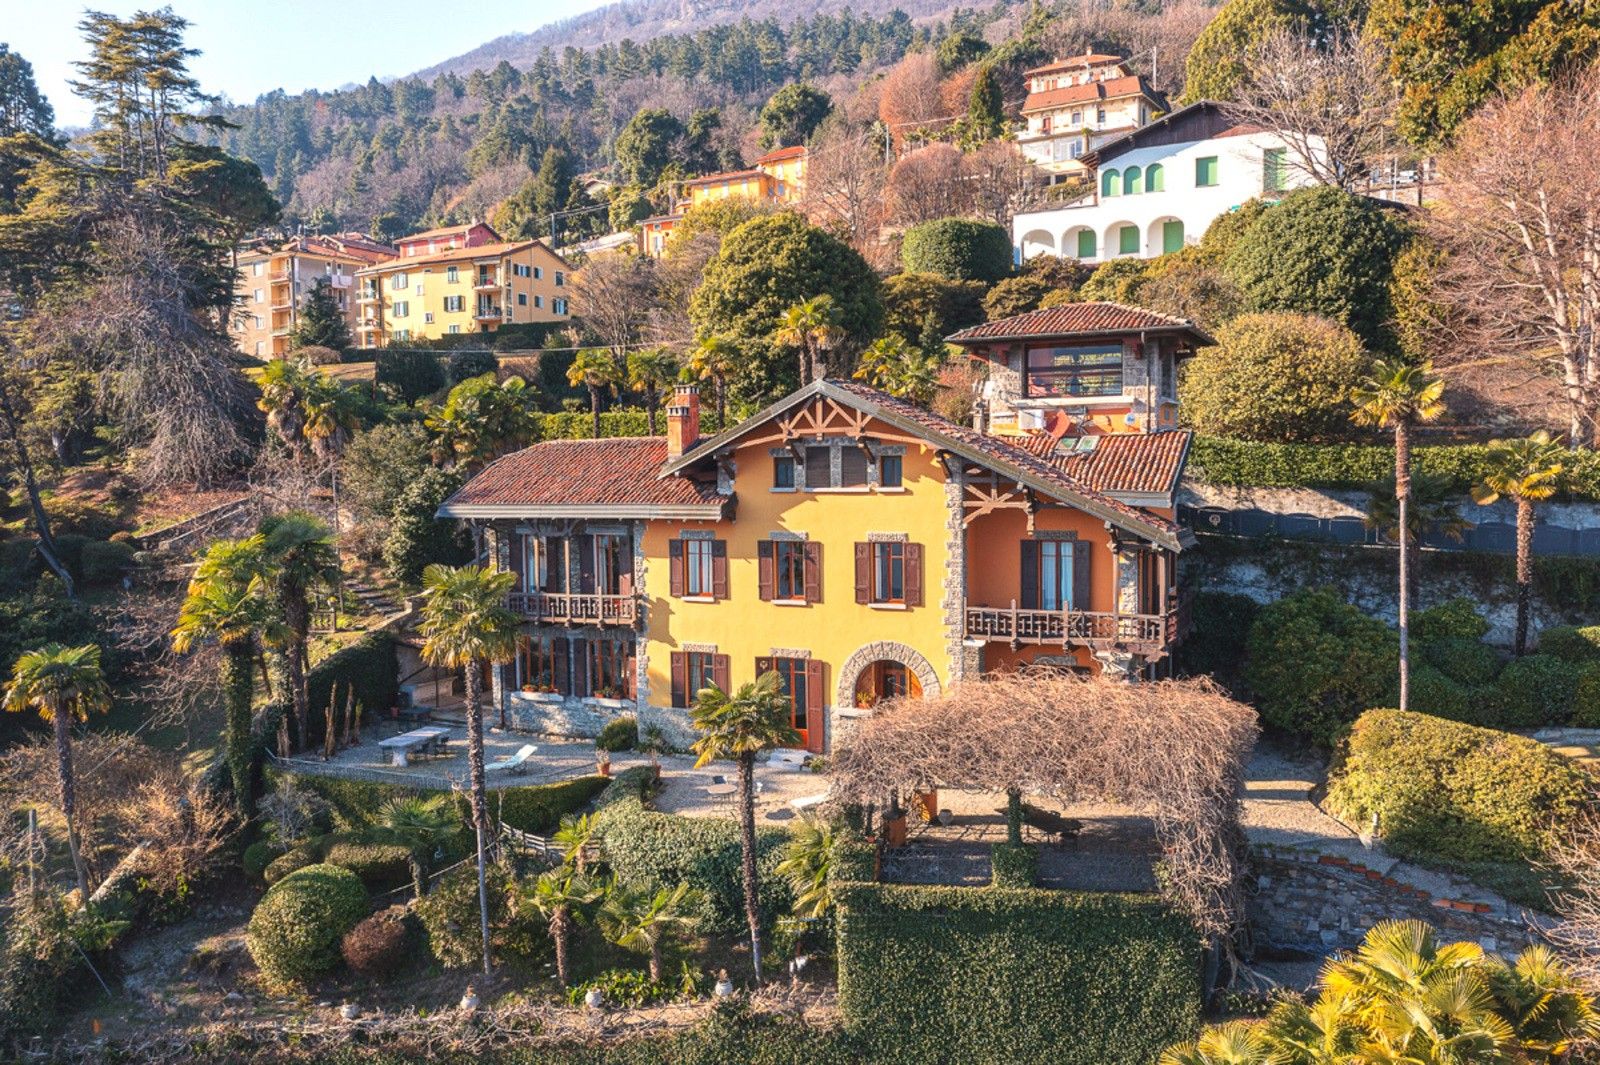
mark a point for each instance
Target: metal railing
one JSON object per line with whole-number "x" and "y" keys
{"x": 575, "y": 608}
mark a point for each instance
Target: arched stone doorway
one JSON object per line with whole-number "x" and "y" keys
{"x": 884, "y": 670}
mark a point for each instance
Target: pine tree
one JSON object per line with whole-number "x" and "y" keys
{"x": 322, "y": 323}
{"x": 23, "y": 109}
{"x": 986, "y": 118}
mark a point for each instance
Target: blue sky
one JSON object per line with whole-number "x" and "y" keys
{"x": 255, "y": 46}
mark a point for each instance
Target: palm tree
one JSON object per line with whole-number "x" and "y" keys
{"x": 283, "y": 384}
{"x": 715, "y": 359}
{"x": 574, "y": 836}
{"x": 811, "y": 328}
{"x": 557, "y": 895}
{"x": 807, "y": 864}
{"x": 1546, "y": 1006}
{"x": 330, "y": 413}
{"x": 302, "y": 555}
{"x": 756, "y": 718}
{"x": 465, "y": 624}
{"x": 898, "y": 368}
{"x": 597, "y": 370}
{"x": 1528, "y": 471}
{"x": 61, "y": 684}
{"x": 420, "y": 824}
{"x": 227, "y": 602}
{"x": 1234, "y": 1043}
{"x": 1432, "y": 508}
{"x": 481, "y": 420}
{"x": 635, "y": 919}
{"x": 651, "y": 372}
{"x": 1398, "y": 395}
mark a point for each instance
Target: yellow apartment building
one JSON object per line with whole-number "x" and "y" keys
{"x": 275, "y": 278}
{"x": 462, "y": 279}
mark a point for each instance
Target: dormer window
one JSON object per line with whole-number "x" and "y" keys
{"x": 1076, "y": 370}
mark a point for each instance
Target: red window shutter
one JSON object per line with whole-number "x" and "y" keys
{"x": 721, "y": 670}
{"x": 816, "y": 701}
{"x": 813, "y": 553}
{"x": 630, "y": 677}
{"x": 519, "y": 558}
{"x": 680, "y": 679}
{"x": 1030, "y": 575}
{"x": 560, "y": 673}
{"x": 675, "y": 567}
{"x": 913, "y": 575}
{"x": 719, "y": 569}
{"x": 1081, "y": 568}
{"x": 863, "y": 573}
{"x": 766, "y": 569}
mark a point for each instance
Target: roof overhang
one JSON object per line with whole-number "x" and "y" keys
{"x": 1202, "y": 338}
{"x": 589, "y": 511}
{"x": 1092, "y": 503}
{"x": 1129, "y": 141}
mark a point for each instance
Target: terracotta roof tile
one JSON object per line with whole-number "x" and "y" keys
{"x": 618, "y": 471}
{"x": 441, "y": 231}
{"x": 726, "y": 175}
{"x": 481, "y": 251}
{"x": 1110, "y": 89}
{"x": 1076, "y": 319}
{"x": 778, "y": 155}
{"x": 1077, "y": 61}
{"x": 1119, "y": 462}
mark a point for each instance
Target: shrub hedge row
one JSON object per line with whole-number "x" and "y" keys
{"x": 1015, "y": 975}
{"x": 619, "y": 421}
{"x": 1443, "y": 789}
{"x": 659, "y": 850}
{"x": 1245, "y": 463}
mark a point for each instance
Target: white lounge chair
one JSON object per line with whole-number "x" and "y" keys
{"x": 515, "y": 764}
{"x": 806, "y": 802}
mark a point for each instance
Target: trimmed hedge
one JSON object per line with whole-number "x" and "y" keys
{"x": 381, "y": 866}
{"x": 1442, "y": 789}
{"x": 295, "y": 932}
{"x": 950, "y": 974}
{"x": 619, "y": 421}
{"x": 657, "y": 850}
{"x": 1569, "y": 642}
{"x": 1013, "y": 865}
{"x": 1246, "y": 464}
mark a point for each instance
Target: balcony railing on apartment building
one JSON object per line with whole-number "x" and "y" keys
{"x": 485, "y": 282}
{"x": 562, "y": 608}
{"x": 489, "y": 313}
{"x": 1139, "y": 633}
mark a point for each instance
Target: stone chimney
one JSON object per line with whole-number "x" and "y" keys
{"x": 683, "y": 420}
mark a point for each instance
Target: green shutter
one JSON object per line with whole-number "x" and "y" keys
{"x": 1128, "y": 240}
{"x": 1131, "y": 181}
{"x": 1155, "y": 178}
{"x": 1272, "y": 170}
{"x": 1205, "y": 171}
{"x": 1086, "y": 248}
{"x": 1171, "y": 237}
{"x": 1108, "y": 183}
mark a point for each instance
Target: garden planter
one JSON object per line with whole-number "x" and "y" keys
{"x": 543, "y": 697}
{"x": 925, "y": 804}
{"x": 895, "y": 829}
{"x": 609, "y": 704}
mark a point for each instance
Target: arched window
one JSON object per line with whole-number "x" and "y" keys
{"x": 1108, "y": 183}
{"x": 1171, "y": 237}
{"x": 1085, "y": 244}
{"x": 1132, "y": 184}
{"x": 1155, "y": 178}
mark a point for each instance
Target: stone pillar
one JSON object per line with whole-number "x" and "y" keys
{"x": 1127, "y": 563}
{"x": 955, "y": 577}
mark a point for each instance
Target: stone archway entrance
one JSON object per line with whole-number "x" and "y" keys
{"x": 884, "y": 670}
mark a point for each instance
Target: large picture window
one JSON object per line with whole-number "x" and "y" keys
{"x": 1079, "y": 370}
{"x": 542, "y": 663}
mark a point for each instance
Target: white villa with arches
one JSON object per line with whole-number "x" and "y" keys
{"x": 1159, "y": 187}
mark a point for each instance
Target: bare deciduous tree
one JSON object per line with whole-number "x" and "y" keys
{"x": 910, "y": 95}
{"x": 1521, "y": 224}
{"x": 1000, "y": 181}
{"x": 928, "y": 183}
{"x": 1331, "y": 100}
{"x": 845, "y": 178}
{"x": 610, "y": 293}
{"x": 1576, "y": 861}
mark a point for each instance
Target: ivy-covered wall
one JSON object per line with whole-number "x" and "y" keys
{"x": 1015, "y": 976}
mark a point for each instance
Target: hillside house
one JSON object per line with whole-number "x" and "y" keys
{"x": 1077, "y": 104}
{"x": 858, "y": 545}
{"x": 777, "y": 178}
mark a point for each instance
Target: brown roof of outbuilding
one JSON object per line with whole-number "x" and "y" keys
{"x": 1110, "y": 89}
{"x": 619, "y": 473}
{"x": 1078, "y": 319}
{"x": 1088, "y": 59}
{"x": 1118, "y": 462}
{"x": 777, "y": 155}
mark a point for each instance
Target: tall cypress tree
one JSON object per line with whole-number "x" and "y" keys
{"x": 986, "y": 109}
{"x": 322, "y": 323}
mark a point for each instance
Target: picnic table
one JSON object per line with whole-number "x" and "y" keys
{"x": 414, "y": 712}
{"x": 401, "y": 747}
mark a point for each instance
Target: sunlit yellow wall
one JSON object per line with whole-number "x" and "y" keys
{"x": 744, "y": 627}
{"x": 792, "y": 173}
{"x": 542, "y": 293}
{"x": 752, "y": 187}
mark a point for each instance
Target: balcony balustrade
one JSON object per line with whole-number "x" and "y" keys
{"x": 563, "y": 608}
{"x": 1139, "y": 633}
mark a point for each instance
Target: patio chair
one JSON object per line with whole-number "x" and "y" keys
{"x": 515, "y": 764}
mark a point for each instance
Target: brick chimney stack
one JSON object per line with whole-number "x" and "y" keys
{"x": 683, "y": 420}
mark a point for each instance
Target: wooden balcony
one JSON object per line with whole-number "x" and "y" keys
{"x": 560, "y": 608}
{"x": 1146, "y": 634}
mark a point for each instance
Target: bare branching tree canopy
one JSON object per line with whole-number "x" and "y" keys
{"x": 610, "y": 294}
{"x": 1576, "y": 862}
{"x": 1331, "y": 100}
{"x": 929, "y": 183}
{"x": 845, "y": 177}
{"x": 1521, "y": 226}
{"x": 1000, "y": 181}
{"x": 1174, "y": 749}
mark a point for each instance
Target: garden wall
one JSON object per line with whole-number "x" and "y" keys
{"x": 948, "y": 974}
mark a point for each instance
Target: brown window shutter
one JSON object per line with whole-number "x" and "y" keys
{"x": 630, "y": 677}
{"x": 1030, "y": 575}
{"x": 721, "y": 670}
{"x": 680, "y": 679}
{"x": 765, "y": 569}
{"x": 561, "y": 671}
{"x": 584, "y": 546}
{"x": 813, "y": 572}
{"x": 764, "y": 666}
{"x": 816, "y": 701}
{"x": 913, "y": 575}
{"x": 719, "y": 569}
{"x": 1081, "y": 568}
{"x": 863, "y": 573}
{"x": 675, "y": 567}
{"x": 519, "y": 559}
{"x": 580, "y": 667}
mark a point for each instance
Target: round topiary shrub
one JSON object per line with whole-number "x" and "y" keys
{"x": 1465, "y": 661}
{"x": 619, "y": 734}
{"x": 295, "y": 933}
{"x": 471, "y": 363}
{"x": 379, "y": 945}
{"x": 381, "y": 866}
{"x": 1571, "y": 643}
{"x": 259, "y": 855}
{"x": 1534, "y": 691}
{"x": 1434, "y": 693}
{"x": 1454, "y": 619}
{"x": 290, "y": 861}
{"x": 449, "y": 914}
{"x": 318, "y": 355}
{"x": 961, "y": 249}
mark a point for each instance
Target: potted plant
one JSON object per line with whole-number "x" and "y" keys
{"x": 654, "y": 744}
{"x": 602, "y": 761}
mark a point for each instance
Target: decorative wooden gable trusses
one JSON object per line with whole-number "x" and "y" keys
{"x": 824, "y": 417}
{"x": 984, "y": 492}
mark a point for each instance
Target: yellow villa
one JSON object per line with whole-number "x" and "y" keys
{"x": 460, "y": 279}
{"x": 779, "y": 178}
{"x": 856, "y": 544}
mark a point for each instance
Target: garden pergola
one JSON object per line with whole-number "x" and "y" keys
{"x": 1173, "y": 750}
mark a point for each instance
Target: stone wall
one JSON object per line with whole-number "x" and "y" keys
{"x": 571, "y": 718}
